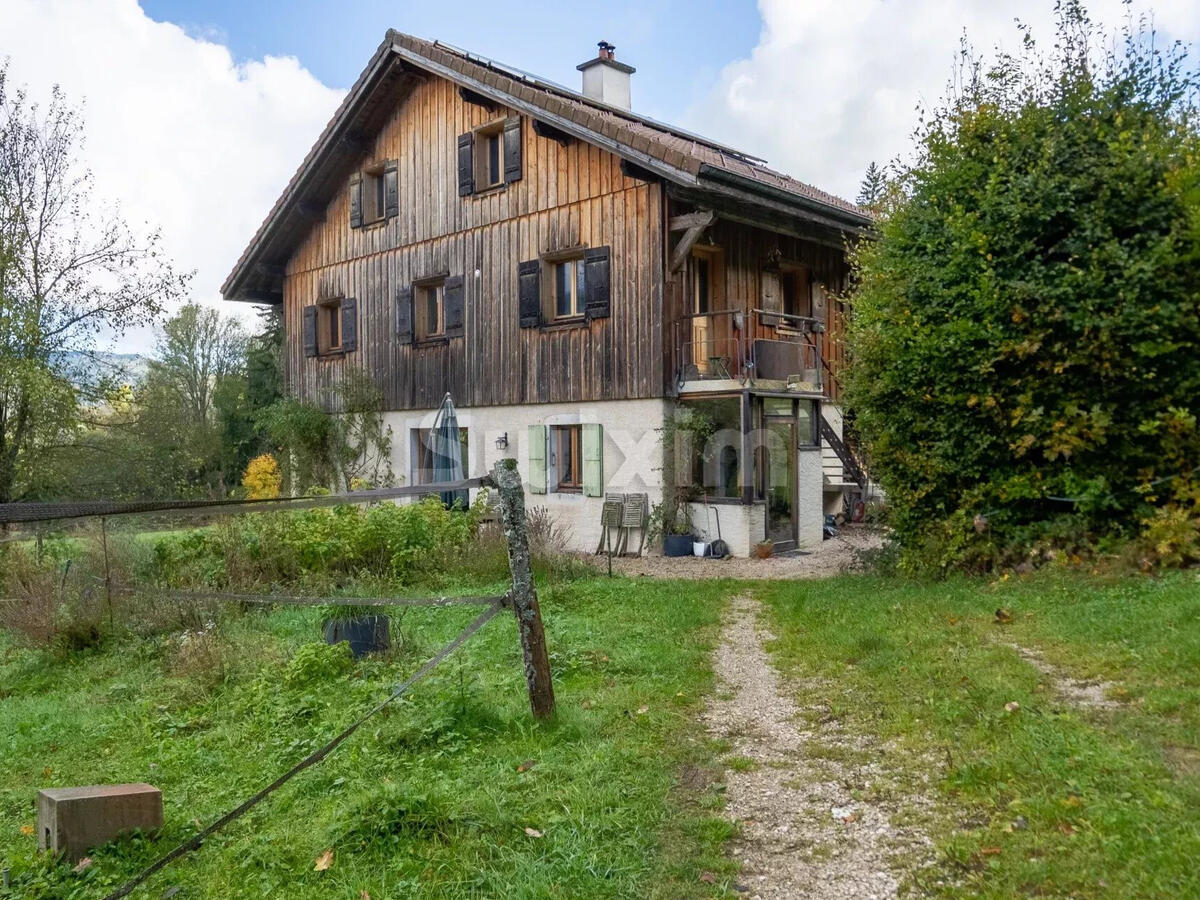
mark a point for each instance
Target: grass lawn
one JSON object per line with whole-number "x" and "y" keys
{"x": 432, "y": 799}
{"x": 1048, "y": 799}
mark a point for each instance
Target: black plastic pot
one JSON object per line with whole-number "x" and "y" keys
{"x": 366, "y": 634}
{"x": 677, "y": 545}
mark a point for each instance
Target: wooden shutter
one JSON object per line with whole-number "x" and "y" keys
{"x": 529, "y": 293}
{"x": 349, "y": 325}
{"x": 593, "y": 460}
{"x": 537, "y": 459}
{"x": 310, "y": 331}
{"x": 512, "y": 148}
{"x": 772, "y": 297}
{"x": 453, "y": 296}
{"x": 356, "y": 200}
{"x": 466, "y": 164}
{"x": 597, "y": 282}
{"x": 391, "y": 188}
{"x": 404, "y": 315}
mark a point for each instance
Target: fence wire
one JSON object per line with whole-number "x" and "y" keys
{"x": 312, "y": 759}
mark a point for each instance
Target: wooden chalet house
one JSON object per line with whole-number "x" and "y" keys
{"x": 571, "y": 273}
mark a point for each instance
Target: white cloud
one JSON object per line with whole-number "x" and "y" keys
{"x": 833, "y": 84}
{"x": 185, "y": 138}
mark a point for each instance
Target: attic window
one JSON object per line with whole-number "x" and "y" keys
{"x": 374, "y": 194}
{"x": 489, "y": 156}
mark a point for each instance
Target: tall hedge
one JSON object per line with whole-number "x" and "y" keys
{"x": 1026, "y": 329}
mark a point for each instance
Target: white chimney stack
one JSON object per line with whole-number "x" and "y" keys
{"x": 605, "y": 79}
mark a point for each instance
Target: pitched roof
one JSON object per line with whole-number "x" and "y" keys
{"x": 679, "y": 157}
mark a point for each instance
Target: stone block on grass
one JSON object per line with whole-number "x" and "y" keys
{"x": 74, "y": 820}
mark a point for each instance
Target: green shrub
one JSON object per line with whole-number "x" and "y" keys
{"x": 314, "y": 663}
{"x": 1026, "y": 332}
{"x": 397, "y": 541}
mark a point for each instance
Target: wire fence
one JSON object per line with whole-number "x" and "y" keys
{"x": 521, "y": 598}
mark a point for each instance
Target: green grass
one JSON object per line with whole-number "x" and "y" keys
{"x": 1049, "y": 800}
{"x": 431, "y": 799}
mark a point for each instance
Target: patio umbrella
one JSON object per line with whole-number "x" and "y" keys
{"x": 446, "y": 452}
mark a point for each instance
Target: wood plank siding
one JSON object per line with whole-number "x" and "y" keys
{"x": 745, "y": 251}
{"x": 568, "y": 196}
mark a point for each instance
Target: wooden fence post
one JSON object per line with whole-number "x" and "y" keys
{"x": 524, "y": 596}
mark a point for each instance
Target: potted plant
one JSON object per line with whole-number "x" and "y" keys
{"x": 367, "y": 630}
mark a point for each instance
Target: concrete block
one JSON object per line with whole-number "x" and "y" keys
{"x": 74, "y": 820}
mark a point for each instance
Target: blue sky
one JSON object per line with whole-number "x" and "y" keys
{"x": 678, "y": 47}
{"x": 197, "y": 113}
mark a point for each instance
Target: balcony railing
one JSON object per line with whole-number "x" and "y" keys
{"x": 749, "y": 345}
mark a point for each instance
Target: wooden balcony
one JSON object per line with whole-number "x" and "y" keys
{"x": 748, "y": 348}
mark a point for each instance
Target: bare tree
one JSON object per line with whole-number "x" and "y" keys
{"x": 70, "y": 272}
{"x": 198, "y": 348}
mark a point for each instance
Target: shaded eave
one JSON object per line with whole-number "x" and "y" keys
{"x": 257, "y": 277}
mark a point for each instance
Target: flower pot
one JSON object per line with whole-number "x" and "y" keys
{"x": 699, "y": 548}
{"x": 677, "y": 545}
{"x": 366, "y": 634}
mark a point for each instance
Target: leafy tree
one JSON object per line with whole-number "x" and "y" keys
{"x": 1027, "y": 328}
{"x": 197, "y": 350}
{"x": 874, "y": 183}
{"x": 69, "y": 272}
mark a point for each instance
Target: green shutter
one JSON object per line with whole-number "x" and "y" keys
{"x": 537, "y": 459}
{"x": 593, "y": 461}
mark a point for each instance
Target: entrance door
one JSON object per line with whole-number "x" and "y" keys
{"x": 779, "y": 470}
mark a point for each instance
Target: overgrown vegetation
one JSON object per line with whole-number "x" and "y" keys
{"x": 452, "y": 793}
{"x": 1026, "y": 333}
{"x": 1033, "y": 795}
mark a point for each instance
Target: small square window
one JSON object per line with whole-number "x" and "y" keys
{"x": 430, "y": 304}
{"x": 329, "y": 326}
{"x": 567, "y": 444}
{"x": 489, "y": 156}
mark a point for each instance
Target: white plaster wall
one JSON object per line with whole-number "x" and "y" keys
{"x": 741, "y": 526}
{"x": 632, "y": 451}
{"x": 810, "y": 488}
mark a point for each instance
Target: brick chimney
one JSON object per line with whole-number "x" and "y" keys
{"x": 605, "y": 79}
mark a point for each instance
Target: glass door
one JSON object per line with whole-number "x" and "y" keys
{"x": 778, "y": 470}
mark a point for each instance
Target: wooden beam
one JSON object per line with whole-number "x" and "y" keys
{"x": 355, "y": 142}
{"x": 685, "y": 245}
{"x": 477, "y": 99}
{"x": 260, "y": 296}
{"x": 273, "y": 270}
{"x": 313, "y": 212}
{"x": 633, "y": 170}
{"x": 703, "y": 218}
{"x": 546, "y": 130}
{"x": 523, "y": 596}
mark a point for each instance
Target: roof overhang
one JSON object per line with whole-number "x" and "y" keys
{"x": 257, "y": 276}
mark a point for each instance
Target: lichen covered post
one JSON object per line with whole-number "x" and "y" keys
{"x": 524, "y": 596}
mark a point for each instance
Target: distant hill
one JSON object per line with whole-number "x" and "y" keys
{"x": 85, "y": 368}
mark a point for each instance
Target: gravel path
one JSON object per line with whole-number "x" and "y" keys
{"x": 1091, "y": 694}
{"x": 814, "y": 803}
{"x": 832, "y": 557}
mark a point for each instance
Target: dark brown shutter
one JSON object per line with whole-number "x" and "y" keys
{"x": 391, "y": 188}
{"x": 529, "y": 293}
{"x": 310, "y": 331}
{"x": 512, "y": 148}
{"x": 404, "y": 315}
{"x": 454, "y": 298}
{"x": 356, "y": 207}
{"x": 466, "y": 164}
{"x": 597, "y": 282}
{"x": 349, "y": 325}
